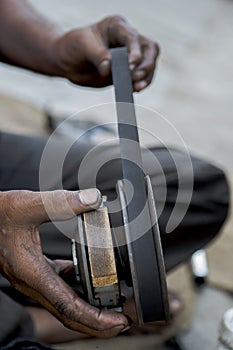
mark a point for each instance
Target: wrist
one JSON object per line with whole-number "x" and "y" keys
{"x": 52, "y": 49}
{"x": 55, "y": 55}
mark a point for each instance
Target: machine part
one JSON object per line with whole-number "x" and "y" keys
{"x": 150, "y": 296}
{"x": 95, "y": 260}
{"x": 93, "y": 251}
{"x": 158, "y": 247}
{"x": 146, "y": 265}
{"x": 199, "y": 267}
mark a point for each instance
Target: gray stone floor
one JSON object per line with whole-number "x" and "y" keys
{"x": 193, "y": 90}
{"x": 194, "y": 82}
{"x": 211, "y": 303}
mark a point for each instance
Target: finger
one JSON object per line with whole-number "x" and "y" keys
{"x": 122, "y": 34}
{"x": 98, "y": 52}
{"x": 92, "y": 79}
{"x": 134, "y": 51}
{"x": 143, "y": 75}
{"x": 31, "y": 274}
{"x": 150, "y": 53}
{"x": 34, "y": 208}
{"x": 132, "y": 43}
{"x": 45, "y": 286}
{"x": 63, "y": 205}
{"x": 116, "y": 32}
{"x": 60, "y": 266}
{"x": 142, "y": 84}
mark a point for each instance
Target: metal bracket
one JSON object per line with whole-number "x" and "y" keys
{"x": 95, "y": 260}
{"x": 93, "y": 255}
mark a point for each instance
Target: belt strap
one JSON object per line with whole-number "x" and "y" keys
{"x": 145, "y": 270}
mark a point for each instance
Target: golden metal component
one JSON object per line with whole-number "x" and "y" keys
{"x": 100, "y": 248}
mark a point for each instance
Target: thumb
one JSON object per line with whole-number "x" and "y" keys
{"x": 104, "y": 67}
{"x": 40, "y": 207}
{"x": 64, "y": 205}
{"x": 101, "y": 60}
{"x": 98, "y": 53}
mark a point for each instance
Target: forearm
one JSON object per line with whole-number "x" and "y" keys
{"x": 81, "y": 55}
{"x": 26, "y": 39}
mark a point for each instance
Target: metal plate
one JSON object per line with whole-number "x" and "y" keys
{"x": 95, "y": 256}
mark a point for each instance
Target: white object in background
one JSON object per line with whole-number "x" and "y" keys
{"x": 199, "y": 266}
{"x": 226, "y": 331}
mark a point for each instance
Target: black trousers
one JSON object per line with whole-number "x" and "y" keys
{"x": 20, "y": 158}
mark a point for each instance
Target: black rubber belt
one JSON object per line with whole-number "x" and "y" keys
{"x": 143, "y": 248}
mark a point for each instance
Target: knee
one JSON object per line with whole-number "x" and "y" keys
{"x": 204, "y": 218}
{"x": 211, "y": 194}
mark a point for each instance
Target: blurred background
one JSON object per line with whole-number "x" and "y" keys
{"x": 193, "y": 89}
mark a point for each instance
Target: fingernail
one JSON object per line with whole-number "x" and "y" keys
{"x": 125, "y": 329}
{"x": 122, "y": 328}
{"x": 140, "y": 85}
{"x": 132, "y": 66}
{"x": 139, "y": 74}
{"x": 104, "y": 67}
{"x": 90, "y": 197}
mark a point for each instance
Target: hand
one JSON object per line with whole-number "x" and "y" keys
{"x": 83, "y": 55}
{"x": 23, "y": 263}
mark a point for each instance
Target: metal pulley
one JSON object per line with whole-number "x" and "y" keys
{"x": 98, "y": 248}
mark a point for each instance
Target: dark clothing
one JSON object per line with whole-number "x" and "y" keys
{"x": 19, "y": 169}
{"x": 14, "y": 320}
{"x": 24, "y": 344}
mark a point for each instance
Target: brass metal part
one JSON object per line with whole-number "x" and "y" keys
{"x": 100, "y": 248}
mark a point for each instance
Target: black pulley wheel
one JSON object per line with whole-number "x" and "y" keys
{"x": 145, "y": 257}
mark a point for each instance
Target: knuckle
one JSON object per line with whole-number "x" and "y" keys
{"x": 135, "y": 58}
{"x": 64, "y": 309}
{"x": 101, "y": 327}
{"x": 156, "y": 48}
{"x": 112, "y": 21}
{"x": 102, "y": 321}
{"x": 152, "y": 45}
{"x": 12, "y": 198}
{"x": 132, "y": 35}
{"x": 15, "y": 200}
{"x": 150, "y": 67}
{"x": 74, "y": 200}
{"x": 59, "y": 204}
{"x": 118, "y": 19}
{"x": 119, "y": 24}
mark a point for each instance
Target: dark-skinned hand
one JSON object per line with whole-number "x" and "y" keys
{"x": 24, "y": 265}
{"x": 83, "y": 55}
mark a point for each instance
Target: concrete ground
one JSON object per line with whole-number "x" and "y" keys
{"x": 192, "y": 90}
{"x": 194, "y": 82}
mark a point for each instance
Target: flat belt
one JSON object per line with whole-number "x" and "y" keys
{"x": 146, "y": 258}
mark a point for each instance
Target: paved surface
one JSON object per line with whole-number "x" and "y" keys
{"x": 193, "y": 90}
{"x": 194, "y": 83}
